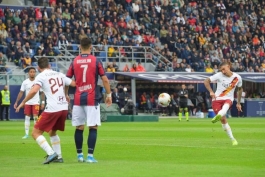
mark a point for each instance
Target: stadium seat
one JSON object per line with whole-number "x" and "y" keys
{"x": 34, "y": 64}
{"x": 103, "y": 56}
{"x": 75, "y": 48}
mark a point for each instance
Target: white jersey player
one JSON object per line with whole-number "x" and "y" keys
{"x": 227, "y": 81}
{"x": 54, "y": 85}
{"x": 32, "y": 106}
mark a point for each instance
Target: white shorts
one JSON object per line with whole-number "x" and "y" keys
{"x": 89, "y": 115}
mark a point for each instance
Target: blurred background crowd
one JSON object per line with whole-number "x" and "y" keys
{"x": 191, "y": 35}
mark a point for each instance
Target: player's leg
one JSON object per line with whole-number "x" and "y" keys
{"x": 228, "y": 130}
{"x": 79, "y": 120}
{"x": 55, "y": 139}
{"x": 180, "y": 110}
{"x": 186, "y": 110}
{"x": 45, "y": 123}
{"x": 93, "y": 121}
{"x": 27, "y": 112}
{"x": 35, "y": 112}
{"x": 224, "y": 105}
{"x": 56, "y": 145}
{"x": 242, "y": 107}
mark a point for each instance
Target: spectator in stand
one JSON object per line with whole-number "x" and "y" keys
{"x": 110, "y": 68}
{"x": 160, "y": 67}
{"x": 140, "y": 68}
{"x": 133, "y": 68}
{"x": 115, "y": 66}
{"x": 230, "y": 27}
{"x": 26, "y": 61}
{"x": 126, "y": 68}
{"x": 2, "y": 68}
{"x": 26, "y": 48}
{"x": 3, "y": 59}
{"x": 209, "y": 69}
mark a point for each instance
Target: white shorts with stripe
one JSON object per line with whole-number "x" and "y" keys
{"x": 89, "y": 115}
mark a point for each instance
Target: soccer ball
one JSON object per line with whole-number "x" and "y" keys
{"x": 164, "y": 99}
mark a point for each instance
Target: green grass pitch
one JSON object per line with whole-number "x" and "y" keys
{"x": 135, "y": 149}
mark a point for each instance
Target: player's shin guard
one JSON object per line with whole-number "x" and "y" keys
{"x": 228, "y": 130}
{"x": 180, "y": 115}
{"x": 187, "y": 115}
{"x": 27, "y": 124}
{"x": 56, "y": 145}
{"x": 79, "y": 140}
{"x": 91, "y": 141}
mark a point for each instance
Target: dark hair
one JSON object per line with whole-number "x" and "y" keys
{"x": 85, "y": 43}
{"x": 30, "y": 68}
{"x": 225, "y": 63}
{"x": 43, "y": 62}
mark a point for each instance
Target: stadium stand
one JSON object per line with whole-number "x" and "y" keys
{"x": 184, "y": 34}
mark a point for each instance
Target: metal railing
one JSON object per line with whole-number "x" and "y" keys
{"x": 109, "y": 53}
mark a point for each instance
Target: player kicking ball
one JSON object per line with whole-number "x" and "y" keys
{"x": 32, "y": 106}
{"x": 222, "y": 99}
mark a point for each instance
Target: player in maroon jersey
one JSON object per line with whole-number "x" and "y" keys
{"x": 86, "y": 110}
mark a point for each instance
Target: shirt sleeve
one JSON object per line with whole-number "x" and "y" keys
{"x": 66, "y": 80}
{"x": 214, "y": 77}
{"x": 100, "y": 68}
{"x": 240, "y": 83}
{"x": 22, "y": 88}
{"x": 70, "y": 72}
{"x": 39, "y": 80}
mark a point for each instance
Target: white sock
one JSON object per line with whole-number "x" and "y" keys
{"x": 35, "y": 118}
{"x": 224, "y": 110}
{"x": 41, "y": 140}
{"x": 56, "y": 145}
{"x": 27, "y": 124}
{"x": 228, "y": 130}
{"x": 90, "y": 155}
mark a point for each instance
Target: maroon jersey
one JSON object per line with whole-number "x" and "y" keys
{"x": 86, "y": 68}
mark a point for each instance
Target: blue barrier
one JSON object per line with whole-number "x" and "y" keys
{"x": 255, "y": 108}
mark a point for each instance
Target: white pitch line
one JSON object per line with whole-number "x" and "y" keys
{"x": 184, "y": 146}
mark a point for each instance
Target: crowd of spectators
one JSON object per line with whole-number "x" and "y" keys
{"x": 191, "y": 35}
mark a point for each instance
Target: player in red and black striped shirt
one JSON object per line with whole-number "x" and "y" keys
{"x": 86, "y": 68}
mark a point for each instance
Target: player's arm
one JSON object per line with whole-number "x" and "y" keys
{"x": 19, "y": 96}
{"x": 105, "y": 82}
{"x": 186, "y": 95}
{"x": 68, "y": 82}
{"x": 207, "y": 84}
{"x": 70, "y": 72}
{"x": 34, "y": 90}
{"x": 106, "y": 85}
{"x": 239, "y": 94}
{"x": 42, "y": 97}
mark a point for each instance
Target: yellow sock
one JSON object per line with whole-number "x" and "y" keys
{"x": 180, "y": 115}
{"x": 187, "y": 115}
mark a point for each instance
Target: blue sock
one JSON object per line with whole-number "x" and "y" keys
{"x": 79, "y": 140}
{"x": 91, "y": 141}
